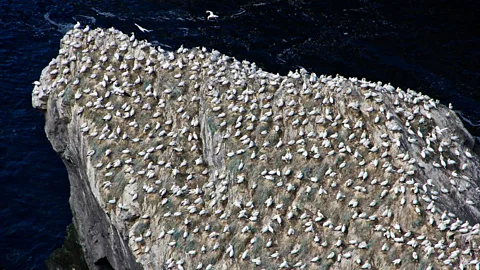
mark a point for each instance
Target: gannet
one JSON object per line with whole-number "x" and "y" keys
{"x": 142, "y": 29}
{"x": 211, "y": 15}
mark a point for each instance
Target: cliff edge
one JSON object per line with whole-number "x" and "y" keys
{"x": 195, "y": 160}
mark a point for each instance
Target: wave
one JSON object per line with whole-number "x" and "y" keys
{"x": 61, "y": 27}
{"x": 467, "y": 120}
{"x": 107, "y": 14}
{"x": 91, "y": 19}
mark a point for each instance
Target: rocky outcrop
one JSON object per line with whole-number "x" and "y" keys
{"x": 103, "y": 245}
{"x": 70, "y": 255}
{"x": 193, "y": 159}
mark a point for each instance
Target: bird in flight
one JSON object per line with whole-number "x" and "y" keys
{"x": 211, "y": 15}
{"x": 142, "y": 29}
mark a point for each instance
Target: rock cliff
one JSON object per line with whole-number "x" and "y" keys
{"x": 195, "y": 160}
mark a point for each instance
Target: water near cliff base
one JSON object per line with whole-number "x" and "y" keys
{"x": 430, "y": 47}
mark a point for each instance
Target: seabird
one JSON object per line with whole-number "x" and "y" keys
{"x": 142, "y": 29}
{"x": 211, "y": 15}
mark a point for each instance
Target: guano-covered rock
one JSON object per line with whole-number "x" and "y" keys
{"x": 195, "y": 160}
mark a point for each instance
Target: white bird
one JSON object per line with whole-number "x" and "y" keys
{"x": 284, "y": 264}
{"x": 142, "y": 29}
{"x": 211, "y": 15}
{"x": 367, "y": 265}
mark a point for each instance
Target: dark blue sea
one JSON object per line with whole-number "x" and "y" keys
{"x": 429, "y": 46}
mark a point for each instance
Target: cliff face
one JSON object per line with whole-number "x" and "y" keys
{"x": 103, "y": 245}
{"x": 192, "y": 159}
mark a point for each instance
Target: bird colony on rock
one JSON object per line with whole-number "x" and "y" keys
{"x": 203, "y": 161}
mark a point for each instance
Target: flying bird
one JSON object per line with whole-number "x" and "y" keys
{"x": 142, "y": 29}
{"x": 211, "y": 15}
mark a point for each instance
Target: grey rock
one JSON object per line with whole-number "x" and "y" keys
{"x": 192, "y": 158}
